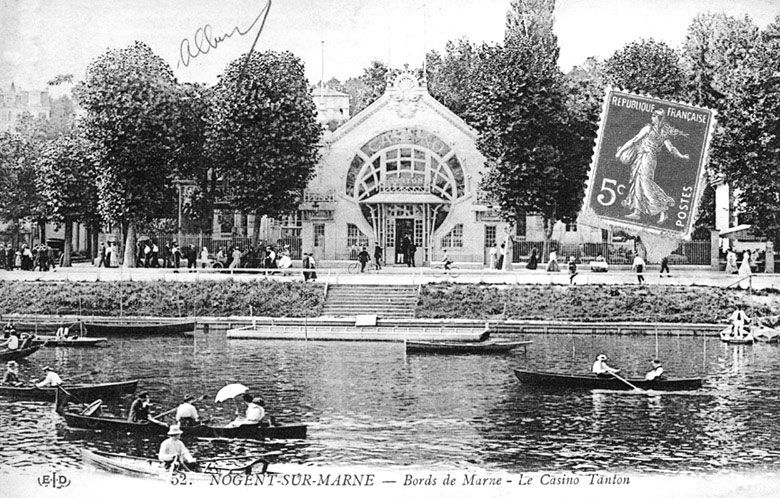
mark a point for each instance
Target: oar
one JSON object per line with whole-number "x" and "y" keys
{"x": 77, "y": 376}
{"x": 625, "y": 381}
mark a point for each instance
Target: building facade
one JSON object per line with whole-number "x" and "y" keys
{"x": 15, "y": 103}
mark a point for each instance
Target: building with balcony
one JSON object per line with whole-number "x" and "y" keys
{"x": 15, "y": 103}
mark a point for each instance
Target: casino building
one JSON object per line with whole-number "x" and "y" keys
{"x": 405, "y": 166}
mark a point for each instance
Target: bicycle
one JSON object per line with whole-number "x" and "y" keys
{"x": 355, "y": 267}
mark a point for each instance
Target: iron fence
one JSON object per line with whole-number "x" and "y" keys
{"x": 695, "y": 252}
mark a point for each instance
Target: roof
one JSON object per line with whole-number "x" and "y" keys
{"x": 404, "y": 198}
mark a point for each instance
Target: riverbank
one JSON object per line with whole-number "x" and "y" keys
{"x": 294, "y": 299}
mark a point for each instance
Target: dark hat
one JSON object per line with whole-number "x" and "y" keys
{"x": 655, "y": 361}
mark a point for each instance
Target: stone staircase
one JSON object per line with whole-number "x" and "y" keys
{"x": 385, "y": 301}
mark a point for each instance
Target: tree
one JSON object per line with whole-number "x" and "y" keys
{"x": 747, "y": 149}
{"x": 262, "y": 133}
{"x": 66, "y": 172}
{"x": 647, "y": 67}
{"x": 130, "y": 98}
{"x": 450, "y": 77}
{"x": 19, "y": 197}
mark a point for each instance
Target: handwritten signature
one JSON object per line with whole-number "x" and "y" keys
{"x": 203, "y": 40}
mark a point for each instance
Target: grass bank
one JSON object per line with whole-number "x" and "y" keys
{"x": 165, "y": 299}
{"x": 592, "y": 302}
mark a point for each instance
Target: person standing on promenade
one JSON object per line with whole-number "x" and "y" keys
{"x": 364, "y": 258}
{"x": 412, "y": 251}
{"x": 405, "y": 248}
{"x": 236, "y": 258}
{"x": 731, "y": 262}
{"x": 500, "y": 262}
{"x": 572, "y": 269}
{"x": 204, "y": 256}
{"x": 552, "y": 265}
{"x": 377, "y": 256}
{"x": 639, "y": 266}
{"x": 533, "y": 260}
{"x": 155, "y": 254}
{"x": 305, "y": 265}
{"x": 665, "y": 266}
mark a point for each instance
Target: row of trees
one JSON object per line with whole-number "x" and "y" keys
{"x": 142, "y": 131}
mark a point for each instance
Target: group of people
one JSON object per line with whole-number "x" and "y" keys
{"x": 39, "y": 257}
{"x": 309, "y": 264}
{"x": 744, "y": 268}
{"x": 364, "y": 257}
{"x": 12, "y": 340}
{"x": 601, "y": 369}
{"x": 11, "y": 377}
{"x": 108, "y": 255}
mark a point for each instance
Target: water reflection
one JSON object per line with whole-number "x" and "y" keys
{"x": 372, "y": 404}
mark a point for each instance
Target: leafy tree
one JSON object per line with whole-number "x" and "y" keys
{"x": 66, "y": 172}
{"x": 747, "y": 149}
{"x": 19, "y": 197}
{"x": 538, "y": 148}
{"x": 450, "y": 77}
{"x": 262, "y": 133}
{"x": 130, "y": 98}
{"x": 648, "y": 67}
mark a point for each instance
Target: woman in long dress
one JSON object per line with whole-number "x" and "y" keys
{"x": 641, "y": 152}
{"x": 744, "y": 270}
{"x": 731, "y": 262}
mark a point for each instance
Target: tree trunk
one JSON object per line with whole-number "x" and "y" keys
{"x": 549, "y": 225}
{"x": 95, "y": 235}
{"x": 67, "y": 248}
{"x": 42, "y": 230}
{"x": 130, "y": 245}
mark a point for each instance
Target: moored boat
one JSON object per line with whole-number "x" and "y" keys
{"x": 17, "y": 354}
{"x": 726, "y": 336}
{"x": 138, "y": 329}
{"x": 766, "y": 334}
{"x": 152, "y": 468}
{"x": 463, "y": 347}
{"x": 81, "y": 392}
{"x": 567, "y": 381}
{"x": 115, "y": 424}
{"x": 70, "y": 342}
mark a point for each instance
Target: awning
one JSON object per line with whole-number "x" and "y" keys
{"x": 734, "y": 232}
{"x": 404, "y": 198}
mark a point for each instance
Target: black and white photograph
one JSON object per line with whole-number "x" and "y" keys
{"x": 422, "y": 248}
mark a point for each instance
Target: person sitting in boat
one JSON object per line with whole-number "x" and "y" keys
{"x": 601, "y": 369}
{"x": 255, "y": 412}
{"x": 656, "y": 372}
{"x": 51, "y": 379}
{"x": 12, "y": 343}
{"x": 738, "y": 321}
{"x": 173, "y": 450}
{"x": 8, "y": 330}
{"x": 11, "y": 376}
{"x": 62, "y": 332}
{"x": 186, "y": 413}
{"x": 139, "y": 410}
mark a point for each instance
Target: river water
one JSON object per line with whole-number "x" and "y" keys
{"x": 371, "y": 404}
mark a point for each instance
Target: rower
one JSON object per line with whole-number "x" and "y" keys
{"x": 51, "y": 379}
{"x": 186, "y": 413}
{"x": 139, "y": 410}
{"x": 656, "y": 372}
{"x": 172, "y": 449}
{"x": 601, "y": 369}
{"x": 13, "y": 341}
{"x": 11, "y": 376}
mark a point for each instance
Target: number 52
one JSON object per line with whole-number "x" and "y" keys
{"x": 607, "y": 196}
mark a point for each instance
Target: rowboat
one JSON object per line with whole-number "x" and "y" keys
{"x": 81, "y": 392}
{"x": 16, "y": 354}
{"x": 138, "y": 329}
{"x": 70, "y": 342}
{"x": 765, "y": 334}
{"x": 115, "y": 424}
{"x": 463, "y": 347}
{"x": 152, "y": 468}
{"x": 556, "y": 380}
{"x": 725, "y": 336}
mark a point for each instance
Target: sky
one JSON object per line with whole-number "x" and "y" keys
{"x": 40, "y": 39}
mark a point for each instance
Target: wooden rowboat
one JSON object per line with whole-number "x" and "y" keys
{"x": 70, "y": 342}
{"x": 725, "y": 336}
{"x": 152, "y": 468}
{"x": 566, "y": 381}
{"x": 138, "y": 329}
{"x": 766, "y": 334}
{"x": 16, "y": 354}
{"x": 463, "y": 347}
{"x": 82, "y": 392}
{"x": 118, "y": 425}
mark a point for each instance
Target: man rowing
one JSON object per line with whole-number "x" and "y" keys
{"x": 173, "y": 450}
{"x": 11, "y": 375}
{"x": 139, "y": 410}
{"x": 52, "y": 379}
{"x": 186, "y": 413}
{"x": 12, "y": 343}
{"x": 601, "y": 369}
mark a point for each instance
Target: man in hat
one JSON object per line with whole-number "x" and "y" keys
{"x": 139, "y": 410}
{"x": 51, "y": 379}
{"x": 601, "y": 369}
{"x": 12, "y": 343}
{"x": 173, "y": 450}
{"x": 186, "y": 413}
{"x": 656, "y": 372}
{"x": 572, "y": 269}
{"x": 11, "y": 376}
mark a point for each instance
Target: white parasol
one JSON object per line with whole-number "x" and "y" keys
{"x": 230, "y": 391}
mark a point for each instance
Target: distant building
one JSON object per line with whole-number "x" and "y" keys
{"x": 332, "y": 105}
{"x": 15, "y": 103}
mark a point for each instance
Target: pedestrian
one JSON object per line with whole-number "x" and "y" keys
{"x": 312, "y": 266}
{"x": 572, "y": 269}
{"x": 533, "y": 260}
{"x": 639, "y": 266}
{"x": 204, "y": 256}
{"x": 176, "y": 254}
{"x": 192, "y": 257}
{"x": 27, "y": 258}
{"x": 101, "y": 254}
{"x": 493, "y": 257}
{"x": 665, "y": 266}
{"x": 731, "y": 262}
{"x": 745, "y": 271}
{"x": 412, "y": 250}
{"x": 377, "y": 256}
{"x": 236, "y": 256}
{"x": 305, "y": 265}
{"x": 405, "y": 249}
{"x": 552, "y": 265}
{"x": 155, "y": 254}
{"x": 147, "y": 250}
{"x": 364, "y": 258}
{"x": 2, "y": 256}
{"x": 500, "y": 263}
{"x": 107, "y": 256}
